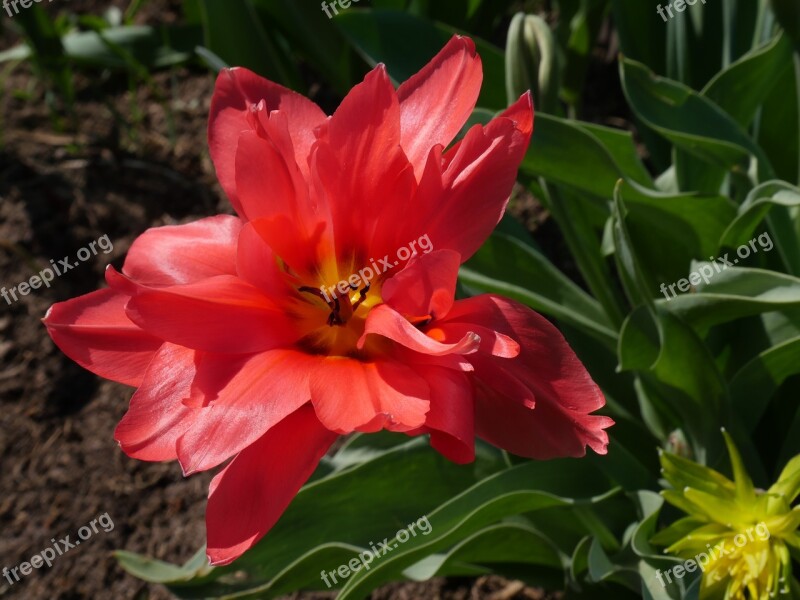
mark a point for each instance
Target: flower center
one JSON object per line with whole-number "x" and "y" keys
{"x": 332, "y": 318}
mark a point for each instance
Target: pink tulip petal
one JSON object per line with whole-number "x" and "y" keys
{"x": 94, "y": 331}
{"x": 250, "y": 494}
{"x": 553, "y": 419}
{"x": 437, "y": 101}
{"x": 263, "y": 390}
{"x": 178, "y": 254}
{"x": 236, "y": 93}
{"x": 157, "y": 416}
{"x": 351, "y": 395}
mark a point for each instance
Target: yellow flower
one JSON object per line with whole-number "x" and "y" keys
{"x": 740, "y": 537}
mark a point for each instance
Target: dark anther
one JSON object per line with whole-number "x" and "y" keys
{"x": 362, "y": 295}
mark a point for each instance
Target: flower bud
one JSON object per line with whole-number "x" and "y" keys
{"x": 532, "y": 62}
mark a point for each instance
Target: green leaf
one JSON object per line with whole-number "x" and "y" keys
{"x": 564, "y": 482}
{"x": 157, "y": 571}
{"x": 744, "y": 86}
{"x": 654, "y": 223}
{"x": 384, "y": 36}
{"x": 311, "y": 34}
{"x": 753, "y": 385}
{"x": 569, "y": 153}
{"x": 779, "y": 123}
{"x": 48, "y": 51}
{"x": 234, "y": 32}
{"x": 660, "y": 345}
{"x": 726, "y": 294}
{"x": 634, "y": 279}
{"x": 500, "y": 543}
{"x": 505, "y": 265}
{"x": 652, "y": 561}
{"x": 573, "y": 214}
{"x": 756, "y": 207}
{"x": 574, "y": 157}
{"x": 688, "y": 120}
{"x": 620, "y": 145}
{"x": 361, "y": 506}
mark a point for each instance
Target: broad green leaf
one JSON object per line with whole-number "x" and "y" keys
{"x": 150, "y": 46}
{"x": 655, "y": 224}
{"x": 755, "y": 208}
{"x": 619, "y": 144}
{"x": 661, "y": 346}
{"x": 645, "y": 44}
{"x": 754, "y": 385}
{"x": 530, "y": 486}
{"x": 507, "y": 266}
{"x": 145, "y": 44}
{"x": 741, "y": 88}
{"x": 385, "y": 36}
{"x": 779, "y": 123}
{"x": 234, "y": 32}
{"x": 657, "y": 411}
{"x": 573, "y": 214}
{"x": 153, "y": 570}
{"x": 48, "y": 52}
{"x": 311, "y": 34}
{"x": 361, "y": 506}
{"x": 669, "y": 349}
{"x": 500, "y": 543}
{"x": 727, "y": 294}
{"x": 569, "y": 153}
{"x": 580, "y": 558}
{"x": 651, "y": 560}
{"x": 688, "y": 120}
{"x": 572, "y": 156}
{"x": 634, "y": 279}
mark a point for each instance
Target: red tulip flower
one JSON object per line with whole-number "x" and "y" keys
{"x": 243, "y": 346}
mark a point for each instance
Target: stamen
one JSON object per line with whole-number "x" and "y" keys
{"x": 362, "y": 295}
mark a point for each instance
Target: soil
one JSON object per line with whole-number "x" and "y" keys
{"x": 136, "y": 159}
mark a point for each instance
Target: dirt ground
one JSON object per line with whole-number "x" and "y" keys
{"x": 62, "y": 188}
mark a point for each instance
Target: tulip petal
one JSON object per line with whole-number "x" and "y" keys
{"x": 437, "y": 101}
{"x": 363, "y": 173}
{"x": 94, "y": 331}
{"x": 219, "y": 314}
{"x": 236, "y": 93}
{"x": 263, "y": 390}
{"x": 426, "y": 287}
{"x": 249, "y": 495}
{"x": 157, "y": 416}
{"x": 559, "y": 423}
{"x": 257, "y": 264}
{"x": 451, "y": 419}
{"x": 178, "y": 254}
{"x": 479, "y": 173}
{"x": 384, "y": 320}
{"x": 264, "y": 185}
{"x": 351, "y": 395}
